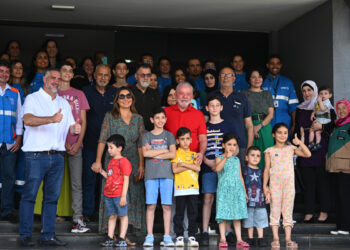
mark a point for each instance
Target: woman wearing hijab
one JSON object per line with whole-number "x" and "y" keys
{"x": 338, "y": 163}
{"x": 315, "y": 178}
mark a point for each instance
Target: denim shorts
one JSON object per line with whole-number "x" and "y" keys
{"x": 209, "y": 182}
{"x": 113, "y": 206}
{"x": 257, "y": 217}
{"x": 165, "y": 186}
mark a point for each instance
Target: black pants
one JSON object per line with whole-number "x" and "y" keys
{"x": 316, "y": 182}
{"x": 191, "y": 202}
{"x": 341, "y": 183}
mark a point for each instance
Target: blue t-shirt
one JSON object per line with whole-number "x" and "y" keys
{"x": 215, "y": 134}
{"x": 18, "y": 86}
{"x": 253, "y": 179}
{"x": 236, "y": 108}
{"x": 131, "y": 79}
{"x": 37, "y": 83}
{"x": 200, "y": 85}
{"x": 240, "y": 82}
{"x": 162, "y": 83}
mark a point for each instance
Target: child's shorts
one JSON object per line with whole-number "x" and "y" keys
{"x": 113, "y": 206}
{"x": 209, "y": 182}
{"x": 257, "y": 217}
{"x": 166, "y": 191}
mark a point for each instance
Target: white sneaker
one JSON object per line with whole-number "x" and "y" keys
{"x": 80, "y": 227}
{"x": 192, "y": 242}
{"x": 335, "y": 232}
{"x": 180, "y": 242}
{"x": 343, "y": 232}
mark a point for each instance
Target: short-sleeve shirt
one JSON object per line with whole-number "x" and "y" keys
{"x": 191, "y": 118}
{"x": 51, "y": 136}
{"x": 253, "y": 184}
{"x": 186, "y": 182}
{"x": 215, "y": 134}
{"x": 146, "y": 103}
{"x": 235, "y": 109}
{"x": 77, "y": 101}
{"x": 158, "y": 168}
{"x": 100, "y": 104}
{"x": 260, "y": 102}
{"x": 117, "y": 168}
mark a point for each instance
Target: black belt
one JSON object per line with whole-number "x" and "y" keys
{"x": 50, "y": 152}
{"x": 259, "y": 117}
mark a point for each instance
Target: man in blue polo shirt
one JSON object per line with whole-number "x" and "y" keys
{"x": 283, "y": 93}
{"x": 194, "y": 70}
{"x": 236, "y": 110}
{"x": 100, "y": 98}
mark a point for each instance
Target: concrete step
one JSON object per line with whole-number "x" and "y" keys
{"x": 66, "y": 226}
{"x": 92, "y": 240}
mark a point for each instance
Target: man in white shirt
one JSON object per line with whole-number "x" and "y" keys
{"x": 11, "y": 128}
{"x": 48, "y": 119}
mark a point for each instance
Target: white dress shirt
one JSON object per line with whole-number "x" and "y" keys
{"x": 51, "y": 136}
{"x": 19, "y": 123}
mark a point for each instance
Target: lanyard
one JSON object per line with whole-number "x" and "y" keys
{"x": 275, "y": 87}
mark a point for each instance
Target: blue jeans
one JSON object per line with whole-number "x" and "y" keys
{"x": 8, "y": 173}
{"x": 38, "y": 167}
{"x": 89, "y": 182}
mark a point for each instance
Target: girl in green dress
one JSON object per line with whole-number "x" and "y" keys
{"x": 231, "y": 196}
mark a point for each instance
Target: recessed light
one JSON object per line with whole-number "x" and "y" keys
{"x": 63, "y": 7}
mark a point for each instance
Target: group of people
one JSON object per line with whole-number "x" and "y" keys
{"x": 82, "y": 143}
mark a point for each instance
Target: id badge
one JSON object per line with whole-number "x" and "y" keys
{"x": 275, "y": 103}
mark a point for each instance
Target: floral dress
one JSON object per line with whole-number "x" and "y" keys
{"x": 230, "y": 197}
{"x": 132, "y": 134}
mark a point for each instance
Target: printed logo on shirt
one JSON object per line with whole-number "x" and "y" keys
{"x": 12, "y": 101}
{"x": 159, "y": 144}
{"x": 236, "y": 104}
{"x": 286, "y": 88}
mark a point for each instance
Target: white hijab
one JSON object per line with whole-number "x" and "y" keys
{"x": 309, "y": 104}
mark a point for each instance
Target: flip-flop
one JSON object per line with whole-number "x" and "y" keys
{"x": 291, "y": 244}
{"x": 275, "y": 244}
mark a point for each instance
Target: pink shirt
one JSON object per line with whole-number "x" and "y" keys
{"x": 77, "y": 101}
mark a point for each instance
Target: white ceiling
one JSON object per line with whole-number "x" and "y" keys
{"x": 232, "y": 15}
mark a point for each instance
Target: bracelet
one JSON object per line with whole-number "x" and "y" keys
{"x": 262, "y": 124}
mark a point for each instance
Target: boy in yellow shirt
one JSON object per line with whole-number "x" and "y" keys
{"x": 186, "y": 192}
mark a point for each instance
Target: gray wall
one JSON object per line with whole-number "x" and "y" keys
{"x": 76, "y": 42}
{"x": 341, "y": 49}
{"x": 305, "y": 46}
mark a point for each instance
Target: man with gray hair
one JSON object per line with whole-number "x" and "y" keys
{"x": 182, "y": 114}
{"x": 146, "y": 99}
{"x": 48, "y": 119}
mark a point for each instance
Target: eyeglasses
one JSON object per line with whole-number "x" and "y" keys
{"x": 228, "y": 75}
{"x": 127, "y": 96}
{"x": 145, "y": 75}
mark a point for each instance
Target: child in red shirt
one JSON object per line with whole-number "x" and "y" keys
{"x": 115, "y": 190}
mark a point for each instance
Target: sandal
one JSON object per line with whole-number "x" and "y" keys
{"x": 129, "y": 242}
{"x": 291, "y": 244}
{"x": 223, "y": 244}
{"x": 275, "y": 244}
{"x": 242, "y": 244}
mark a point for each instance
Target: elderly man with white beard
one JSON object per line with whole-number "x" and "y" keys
{"x": 146, "y": 99}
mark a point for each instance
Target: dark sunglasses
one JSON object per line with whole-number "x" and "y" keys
{"x": 128, "y": 96}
